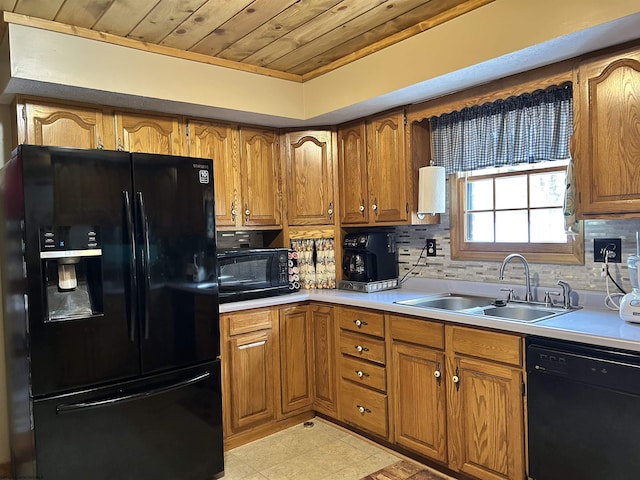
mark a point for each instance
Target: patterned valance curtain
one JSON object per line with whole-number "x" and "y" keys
{"x": 525, "y": 129}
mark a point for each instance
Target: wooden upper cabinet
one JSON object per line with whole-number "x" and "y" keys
{"x": 309, "y": 173}
{"x": 219, "y": 142}
{"x": 352, "y": 172}
{"x": 147, "y": 134}
{"x": 260, "y": 173}
{"x": 388, "y": 169}
{"x": 58, "y": 125}
{"x": 607, "y": 130}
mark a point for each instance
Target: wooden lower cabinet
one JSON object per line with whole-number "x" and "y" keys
{"x": 420, "y": 405}
{"x": 363, "y": 389}
{"x": 296, "y": 355}
{"x": 485, "y": 414}
{"x": 364, "y": 408}
{"x": 249, "y": 349}
{"x": 449, "y": 393}
{"x": 457, "y": 396}
{"x": 325, "y": 378}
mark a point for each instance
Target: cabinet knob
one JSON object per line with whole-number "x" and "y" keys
{"x": 362, "y": 409}
{"x": 361, "y": 349}
{"x": 362, "y": 207}
{"x": 360, "y": 323}
{"x": 455, "y": 379}
{"x": 361, "y": 374}
{"x": 375, "y": 205}
{"x": 330, "y": 210}
{"x": 247, "y": 212}
{"x": 437, "y": 374}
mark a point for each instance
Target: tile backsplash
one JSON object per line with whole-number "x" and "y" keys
{"x": 411, "y": 240}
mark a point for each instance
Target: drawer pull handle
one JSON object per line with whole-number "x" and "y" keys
{"x": 360, "y": 323}
{"x": 361, "y": 349}
{"x": 362, "y": 409}
{"x": 252, "y": 345}
{"x": 361, "y": 374}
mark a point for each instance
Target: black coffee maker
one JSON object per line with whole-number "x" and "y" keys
{"x": 370, "y": 257}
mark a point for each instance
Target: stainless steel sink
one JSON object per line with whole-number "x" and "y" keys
{"x": 450, "y": 301}
{"x": 523, "y": 313}
{"x": 478, "y": 305}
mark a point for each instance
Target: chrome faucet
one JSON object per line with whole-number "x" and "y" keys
{"x": 528, "y": 297}
{"x": 566, "y": 294}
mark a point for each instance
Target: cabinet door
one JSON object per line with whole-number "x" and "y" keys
{"x": 608, "y": 127}
{"x": 485, "y": 414}
{"x": 219, "y": 142}
{"x": 309, "y": 178}
{"x": 324, "y": 357}
{"x": 352, "y": 167}
{"x": 419, "y": 405}
{"x": 387, "y": 169}
{"x": 296, "y": 369}
{"x": 260, "y": 173}
{"x": 64, "y": 126}
{"x": 147, "y": 134}
{"x": 250, "y": 365}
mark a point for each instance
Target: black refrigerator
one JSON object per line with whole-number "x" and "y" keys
{"x": 110, "y": 302}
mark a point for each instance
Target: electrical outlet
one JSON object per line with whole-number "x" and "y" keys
{"x": 613, "y": 246}
{"x": 431, "y": 247}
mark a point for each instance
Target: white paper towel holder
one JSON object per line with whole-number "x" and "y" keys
{"x": 431, "y": 190}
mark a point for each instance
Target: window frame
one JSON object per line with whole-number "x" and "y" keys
{"x": 570, "y": 253}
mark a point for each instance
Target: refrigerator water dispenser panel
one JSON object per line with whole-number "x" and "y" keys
{"x": 72, "y": 268}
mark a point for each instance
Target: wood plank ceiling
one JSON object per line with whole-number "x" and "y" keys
{"x": 303, "y": 37}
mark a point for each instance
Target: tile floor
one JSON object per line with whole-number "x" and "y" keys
{"x": 322, "y": 452}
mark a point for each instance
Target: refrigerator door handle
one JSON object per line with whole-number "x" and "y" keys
{"x": 132, "y": 264}
{"x": 146, "y": 262}
{"x": 107, "y": 402}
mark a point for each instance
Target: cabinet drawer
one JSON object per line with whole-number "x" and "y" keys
{"x": 364, "y": 321}
{"x": 364, "y": 408}
{"x": 499, "y": 347}
{"x": 416, "y": 330}
{"x": 249, "y": 321}
{"x": 363, "y": 373}
{"x": 361, "y": 346}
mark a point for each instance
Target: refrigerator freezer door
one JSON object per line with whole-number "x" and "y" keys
{"x": 66, "y": 190}
{"x": 163, "y": 428}
{"x": 177, "y": 276}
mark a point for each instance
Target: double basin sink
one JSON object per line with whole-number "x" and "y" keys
{"x": 486, "y": 306}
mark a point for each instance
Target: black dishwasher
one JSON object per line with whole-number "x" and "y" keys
{"x": 583, "y": 410}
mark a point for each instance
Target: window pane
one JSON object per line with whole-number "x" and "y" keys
{"x": 547, "y": 189}
{"x": 511, "y": 192}
{"x": 547, "y": 226}
{"x": 512, "y": 226}
{"x": 480, "y": 195}
{"x": 480, "y": 227}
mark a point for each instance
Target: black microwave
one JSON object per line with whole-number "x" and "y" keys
{"x": 245, "y": 274}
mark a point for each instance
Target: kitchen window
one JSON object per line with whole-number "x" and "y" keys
{"x": 509, "y": 161}
{"x": 495, "y": 212}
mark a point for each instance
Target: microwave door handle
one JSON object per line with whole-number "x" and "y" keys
{"x": 132, "y": 265}
{"x": 146, "y": 263}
